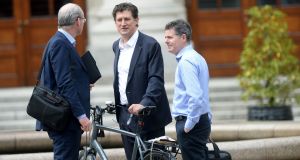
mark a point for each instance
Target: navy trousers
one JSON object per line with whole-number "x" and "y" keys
{"x": 193, "y": 143}
{"x": 66, "y": 144}
{"x": 128, "y": 142}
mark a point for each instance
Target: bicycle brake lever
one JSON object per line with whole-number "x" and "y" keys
{"x": 129, "y": 119}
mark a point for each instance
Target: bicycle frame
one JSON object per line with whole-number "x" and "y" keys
{"x": 139, "y": 145}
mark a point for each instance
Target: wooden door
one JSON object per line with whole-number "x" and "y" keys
{"x": 10, "y": 43}
{"x": 219, "y": 27}
{"x": 26, "y": 27}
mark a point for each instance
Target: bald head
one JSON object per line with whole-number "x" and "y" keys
{"x": 68, "y": 14}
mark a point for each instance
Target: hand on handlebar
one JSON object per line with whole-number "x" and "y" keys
{"x": 135, "y": 108}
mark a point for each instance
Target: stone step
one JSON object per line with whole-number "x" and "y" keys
{"x": 225, "y": 101}
{"x": 99, "y": 99}
{"x": 17, "y": 110}
{"x": 241, "y": 132}
{"x": 257, "y": 149}
{"x": 28, "y": 123}
{"x": 23, "y": 93}
{"x": 219, "y": 113}
{"x": 15, "y": 99}
{"x": 17, "y": 125}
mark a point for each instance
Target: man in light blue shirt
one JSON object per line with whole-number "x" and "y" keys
{"x": 191, "y": 108}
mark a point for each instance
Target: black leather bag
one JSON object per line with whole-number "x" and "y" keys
{"x": 216, "y": 153}
{"x": 48, "y": 107}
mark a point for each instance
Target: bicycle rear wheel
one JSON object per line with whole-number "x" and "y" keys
{"x": 158, "y": 155}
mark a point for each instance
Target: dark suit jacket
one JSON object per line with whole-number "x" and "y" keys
{"x": 65, "y": 73}
{"x": 145, "y": 83}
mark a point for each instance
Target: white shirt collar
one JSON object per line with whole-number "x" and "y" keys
{"x": 69, "y": 37}
{"x": 180, "y": 53}
{"x": 131, "y": 42}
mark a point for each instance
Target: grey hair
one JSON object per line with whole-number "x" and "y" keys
{"x": 68, "y": 14}
{"x": 180, "y": 27}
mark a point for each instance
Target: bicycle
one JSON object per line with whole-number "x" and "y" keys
{"x": 150, "y": 150}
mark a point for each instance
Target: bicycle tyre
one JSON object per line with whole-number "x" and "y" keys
{"x": 157, "y": 155}
{"x": 83, "y": 156}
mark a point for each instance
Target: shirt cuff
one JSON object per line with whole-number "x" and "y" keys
{"x": 81, "y": 117}
{"x": 189, "y": 124}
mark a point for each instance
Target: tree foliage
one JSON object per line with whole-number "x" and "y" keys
{"x": 270, "y": 73}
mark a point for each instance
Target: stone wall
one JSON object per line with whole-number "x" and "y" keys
{"x": 153, "y": 15}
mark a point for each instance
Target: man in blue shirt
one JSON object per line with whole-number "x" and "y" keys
{"x": 191, "y": 108}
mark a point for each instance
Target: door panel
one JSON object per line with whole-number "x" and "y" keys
{"x": 25, "y": 28}
{"x": 9, "y": 44}
{"x": 217, "y": 33}
{"x": 40, "y": 21}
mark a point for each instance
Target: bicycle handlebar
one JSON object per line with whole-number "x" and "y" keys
{"x": 146, "y": 111}
{"x": 111, "y": 108}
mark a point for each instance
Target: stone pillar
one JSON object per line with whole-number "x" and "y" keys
{"x": 153, "y": 15}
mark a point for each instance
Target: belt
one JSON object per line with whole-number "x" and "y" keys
{"x": 180, "y": 118}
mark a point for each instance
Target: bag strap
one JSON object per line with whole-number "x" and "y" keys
{"x": 42, "y": 65}
{"x": 215, "y": 146}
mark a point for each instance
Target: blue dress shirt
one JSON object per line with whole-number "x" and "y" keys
{"x": 191, "y": 92}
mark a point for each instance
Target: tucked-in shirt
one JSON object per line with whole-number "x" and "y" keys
{"x": 126, "y": 52}
{"x": 191, "y": 92}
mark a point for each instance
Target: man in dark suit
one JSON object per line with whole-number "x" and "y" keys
{"x": 138, "y": 77}
{"x": 65, "y": 73}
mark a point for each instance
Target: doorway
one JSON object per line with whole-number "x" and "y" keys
{"x": 25, "y": 28}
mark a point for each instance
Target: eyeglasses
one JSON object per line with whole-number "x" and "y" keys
{"x": 84, "y": 19}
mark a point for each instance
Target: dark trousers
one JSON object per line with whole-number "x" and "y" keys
{"x": 193, "y": 143}
{"x": 66, "y": 144}
{"x": 128, "y": 142}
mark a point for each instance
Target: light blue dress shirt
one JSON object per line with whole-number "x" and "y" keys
{"x": 191, "y": 92}
{"x": 68, "y": 36}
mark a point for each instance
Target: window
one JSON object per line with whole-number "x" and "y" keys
{"x": 46, "y": 7}
{"x": 266, "y": 2}
{"x": 290, "y": 2}
{"x": 218, "y": 4}
{"x": 231, "y": 3}
{"x": 278, "y": 2}
{"x": 207, "y": 4}
{"x": 6, "y": 10}
{"x": 39, "y": 7}
{"x": 59, "y": 3}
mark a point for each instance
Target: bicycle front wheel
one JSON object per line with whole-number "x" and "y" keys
{"x": 158, "y": 155}
{"x": 83, "y": 155}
